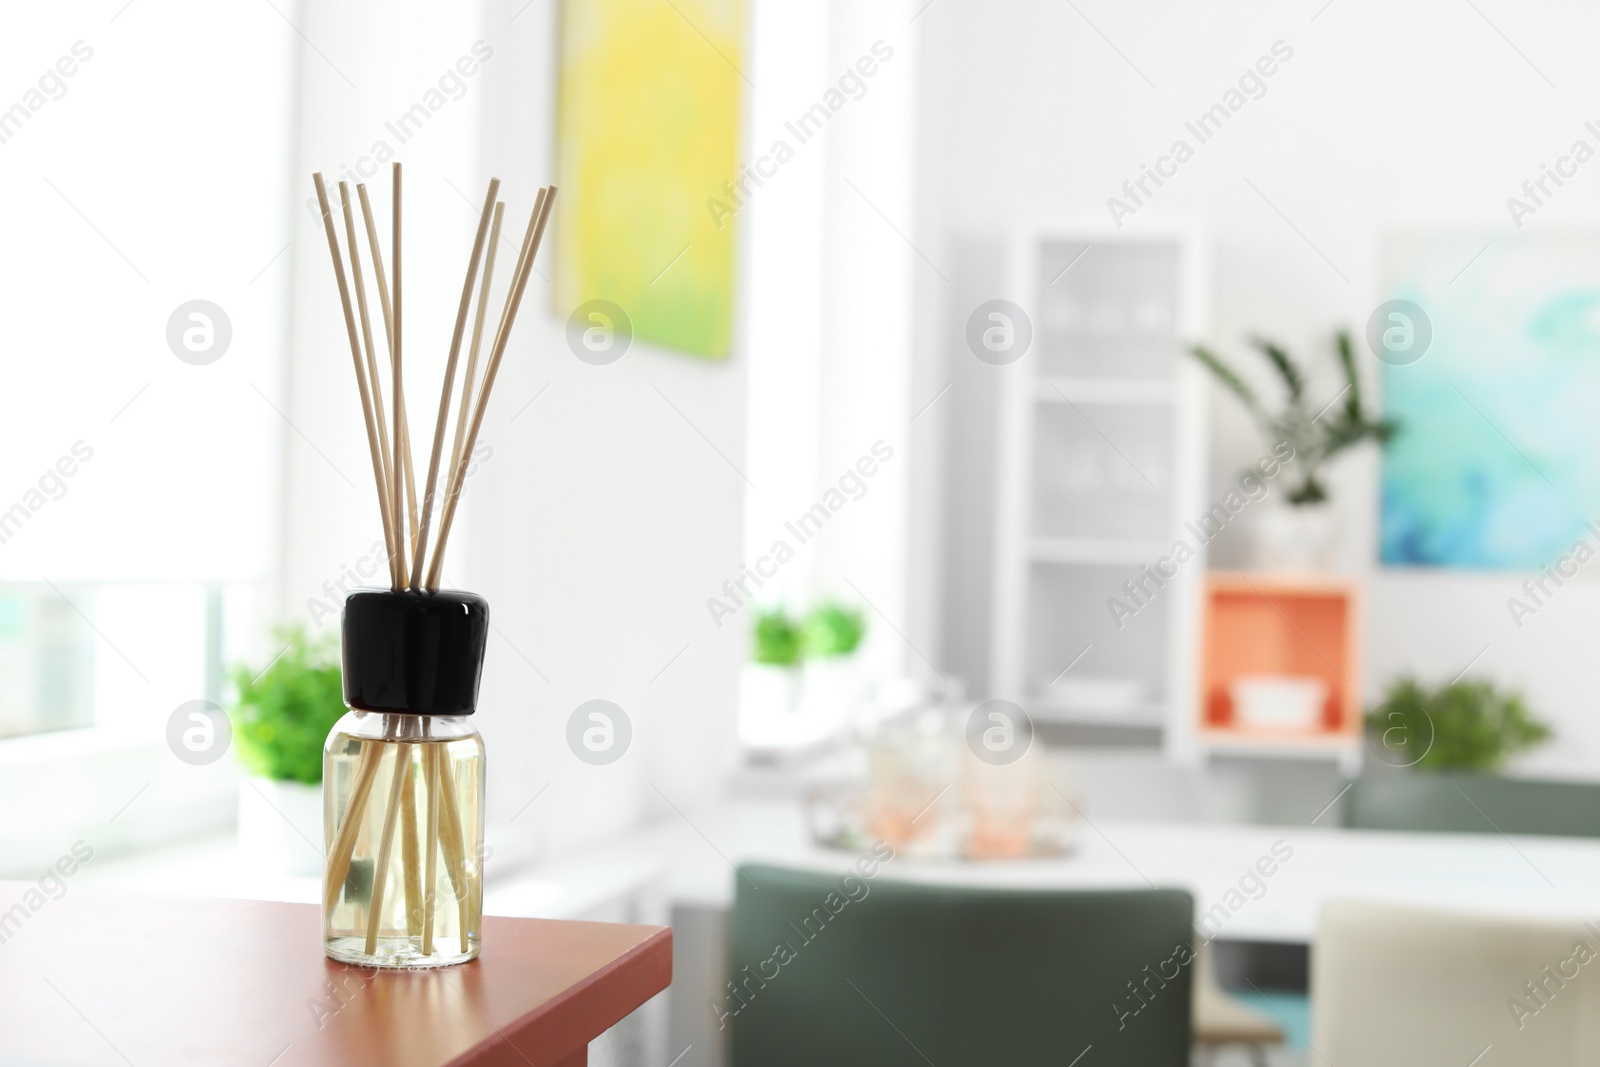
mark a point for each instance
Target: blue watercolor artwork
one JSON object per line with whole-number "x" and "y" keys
{"x": 1497, "y": 463}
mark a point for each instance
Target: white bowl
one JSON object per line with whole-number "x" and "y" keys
{"x": 1278, "y": 701}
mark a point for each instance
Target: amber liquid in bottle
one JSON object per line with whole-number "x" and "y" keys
{"x": 403, "y": 814}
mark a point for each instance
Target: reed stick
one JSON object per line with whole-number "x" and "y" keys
{"x": 519, "y": 282}
{"x": 372, "y": 362}
{"x": 380, "y": 870}
{"x": 460, "y": 460}
{"x": 430, "y": 768}
{"x": 420, "y": 549}
{"x": 373, "y": 376}
{"x": 377, "y": 263}
{"x": 409, "y": 856}
{"x": 477, "y": 340}
{"x": 410, "y": 508}
{"x": 396, "y": 378}
{"x": 404, "y": 433}
{"x": 452, "y": 842}
{"x": 344, "y": 844}
{"x": 355, "y": 344}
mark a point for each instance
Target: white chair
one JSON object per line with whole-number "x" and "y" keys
{"x": 1401, "y": 986}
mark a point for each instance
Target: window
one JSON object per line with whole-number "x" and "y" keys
{"x": 46, "y": 663}
{"x": 143, "y": 150}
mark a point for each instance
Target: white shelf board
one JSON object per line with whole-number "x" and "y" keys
{"x": 1055, "y": 390}
{"x": 1280, "y": 746}
{"x": 1145, "y": 715}
{"x": 1093, "y": 550}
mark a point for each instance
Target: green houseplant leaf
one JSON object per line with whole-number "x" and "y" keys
{"x": 828, "y": 630}
{"x": 832, "y": 629}
{"x": 778, "y": 641}
{"x": 1469, "y": 725}
{"x": 1316, "y": 432}
{"x": 1293, "y": 380}
{"x": 283, "y": 714}
{"x": 1225, "y": 374}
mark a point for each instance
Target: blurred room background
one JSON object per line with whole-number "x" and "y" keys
{"x": 858, "y": 388}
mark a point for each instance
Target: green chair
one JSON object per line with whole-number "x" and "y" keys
{"x": 1451, "y": 802}
{"x": 845, "y": 970}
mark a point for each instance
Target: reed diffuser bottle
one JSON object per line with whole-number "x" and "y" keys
{"x": 403, "y": 783}
{"x": 402, "y": 773}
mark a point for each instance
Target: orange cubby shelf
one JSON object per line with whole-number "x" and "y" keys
{"x": 1263, "y": 623}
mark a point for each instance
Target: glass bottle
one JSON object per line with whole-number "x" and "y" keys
{"x": 403, "y": 783}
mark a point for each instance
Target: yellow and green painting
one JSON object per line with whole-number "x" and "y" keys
{"x": 647, "y": 131}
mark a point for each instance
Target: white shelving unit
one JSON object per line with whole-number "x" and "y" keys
{"x": 1101, "y": 457}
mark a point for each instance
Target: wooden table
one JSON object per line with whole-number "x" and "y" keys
{"x": 127, "y": 980}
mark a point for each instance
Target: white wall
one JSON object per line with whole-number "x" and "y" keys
{"x": 603, "y": 523}
{"x": 1421, "y": 116}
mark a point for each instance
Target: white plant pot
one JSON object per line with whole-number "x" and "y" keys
{"x": 830, "y": 691}
{"x": 769, "y": 709}
{"x": 769, "y": 691}
{"x": 1290, "y": 538}
{"x": 280, "y": 826}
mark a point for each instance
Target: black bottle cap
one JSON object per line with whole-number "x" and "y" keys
{"x": 414, "y": 653}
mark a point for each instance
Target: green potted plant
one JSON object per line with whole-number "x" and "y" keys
{"x": 1462, "y": 726}
{"x": 830, "y": 683}
{"x": 769, "y": 693}
{"x": 1298, "y": 533}
{"x": 280, "y": 720}
{"x": 801, "y": 682}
